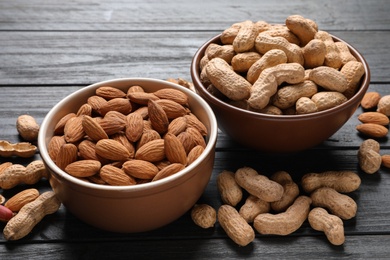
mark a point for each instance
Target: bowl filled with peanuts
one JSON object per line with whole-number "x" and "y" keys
{"x": 130, "y": 154}
{"x": 280, "y": 88}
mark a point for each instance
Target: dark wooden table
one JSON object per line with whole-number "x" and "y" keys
{"x": 48, "y": 49}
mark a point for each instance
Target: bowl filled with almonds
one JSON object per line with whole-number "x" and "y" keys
{"x": 280, "y": 88}
{"x": 130, "y": 154}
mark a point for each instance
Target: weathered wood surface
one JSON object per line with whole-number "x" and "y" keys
{"x": 48, "y": 49}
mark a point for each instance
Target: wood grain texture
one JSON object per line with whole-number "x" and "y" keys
{"x": 120, "y": 15}
{"x": 52, "y": 58}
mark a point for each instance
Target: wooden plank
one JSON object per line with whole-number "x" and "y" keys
{"x": 316, "y": 247}
{"x": 81, "y": 58}
{"x": 186, "y": 15}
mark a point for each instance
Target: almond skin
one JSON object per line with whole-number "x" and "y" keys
{"x": 109, "y": 92}
{"x": 134, "y": 127}
{"x": 74, "y": 130}
{"x": 172, "y": 109}
{"x": 172, "y": 94}
{"x": 16, "y": 202}
{"x": 194, "y": 154}
{"x": 112, "y": 150}
{"x": 66, "y": 155}
{"x": 374, "y": 117}
{"x": 370, "y": 100}
{"x": 115, "y": 176}
{"x": 152, "y": 151}
{"x": 174, "y": 149}
{"x": 372, "y": 130}
{"x": 158, "y": 117}
{"x": 140, "y": 169}
{"x": 386, "y": 160}
{"x": 83, "y": 168}
{"x": 168, "y": 171}
{"x": 93, "y": 129}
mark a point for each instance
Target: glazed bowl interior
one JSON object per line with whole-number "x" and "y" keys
{"x": 278, "y": 133}
{"x": 139, "y": 207}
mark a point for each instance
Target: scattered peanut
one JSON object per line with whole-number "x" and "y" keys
{"x": 230, "y": 191}
{"x": 341, "y": 181}
{"x": 235, "y": 226}
{"x": 284, "y": 223}
{"x": 368, "y": 155}
{"x": 17, "y": 174}
{"x": 204, "y": 215}
{"x": 258, "y": 185}
{"x": 252, "y": 207}
{"x": 291, "y": 191}
{"x": 339, "y": 204}
{"x": 31, "y": 214}
{"x": 384, "y": 105}
{"x": 27, "y": 127}
{"x": 23, "y": 149}
{"x": 333, "y": 227}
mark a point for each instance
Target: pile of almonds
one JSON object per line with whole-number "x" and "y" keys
{"x": 128, "y": 137}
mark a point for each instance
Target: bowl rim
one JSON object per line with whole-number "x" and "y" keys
{"x": 156, "y": 186}
{"x": 195, "y": 72}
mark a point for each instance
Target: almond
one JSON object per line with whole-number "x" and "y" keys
{"x": 141, "y": 98}
{"x": 168, "y": 171}
{"x": 83, "y": 168}
{"x": 115, "y": 176}
{"x": 177, "y": 125}
{"x": 140, "y": 169}
{"x": 370, "y": 100}
{"x": 194, "y": 154}
{"x": 112, "y": 124}
{"x": 172, "y": 94}
{"x": 172, "y": 109}
{"x": 121, "y": 105}
{"x": 152, "y": 151}
{"x": 93, "y": 129}
{"x": 187, "y": 141}
{"x": 108, "y": 92}
{"x": 372, "y": 130}
{"x": 194, "y": 122}
{"x": 66, "y": 155}
{"x": 196, "y": 136}
{"x": 147, "y": 136}
{"x": 143, "y": 111}
{"x": 121, "y": 138}
{"x": 174, "y": 149}
{"x": 112, "y": 150}
{"x": 59, "y": 127}
{"x": 54, "y": 146}
{"x": 96, "y": 103}
{"x": 85, "y": 109}
{"x": 16, "y": 202}
{"x": 374, "y": 117}
{"x": 135, "y": 88}
{"x": 134, "y": 126}
{"x": 74, "y": 130}
{"x": 158, "y": 117}
{"x": 386, "y": 160}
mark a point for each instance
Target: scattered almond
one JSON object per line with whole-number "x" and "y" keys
{"x": 374, "y": 117}
{"x": 372, "y": 130}
{"x": 370, "y": 100}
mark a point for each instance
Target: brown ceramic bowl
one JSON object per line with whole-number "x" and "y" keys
{"x": 278, "y": 133}
{"x": 139, "y": 207}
